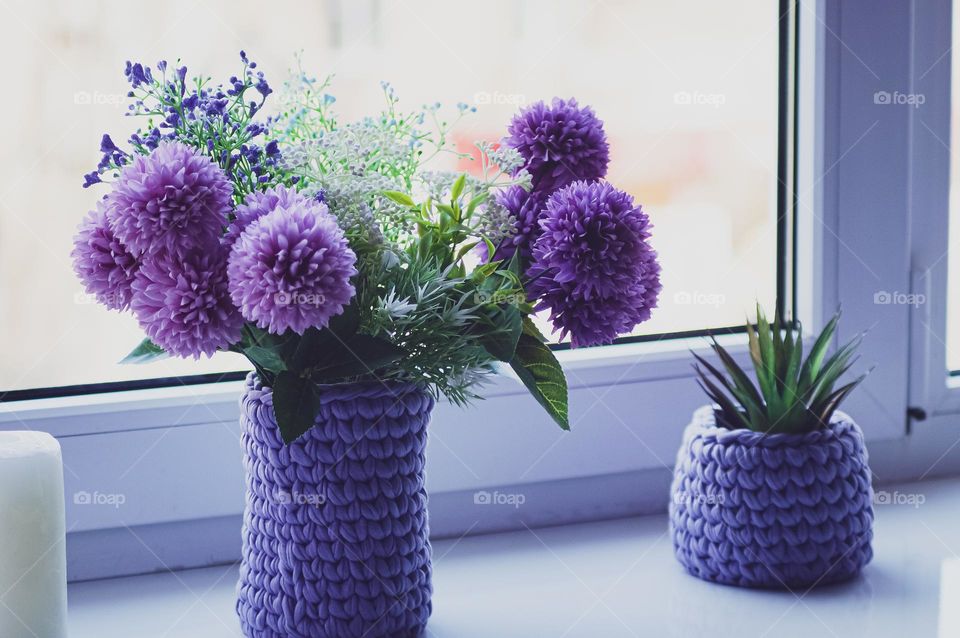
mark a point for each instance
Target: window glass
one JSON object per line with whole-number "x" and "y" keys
{"x": 688, "y": 91}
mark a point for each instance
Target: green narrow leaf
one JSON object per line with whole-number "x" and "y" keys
{"x": 476, "y": 201}
{"x": 811, "y": 367}
{"x": 834, "y": 400}
{"x": 748, "y": 399}
{"x": 400, "y": 198}
{"x": 295, "y": 403}
{"x": 466, "y": 248}
{"x": 541, "y": 373}
{"x": 754, "y": 344}
{"x": 759, "y": 348}
{"x": 737, "y": 373}
{"x": 790, "y": 374}
{"x": 145, "y": 352}
{"x": 457, "y": 188}
{"x": 726, "y": 405}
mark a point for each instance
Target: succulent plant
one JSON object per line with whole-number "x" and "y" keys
{"x": 792, "y": 395}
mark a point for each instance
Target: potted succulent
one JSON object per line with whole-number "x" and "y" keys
{"x": 361, "y": 286}
{"x": 771, "y": 487}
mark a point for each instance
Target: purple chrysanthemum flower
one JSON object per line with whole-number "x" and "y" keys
{"x": 105, "y": 267}
{"x": 561, "y": 143}
{"x": 256, "y": 205}
{"x": 593, "y": 265}
{"x": 174, "y": 200}
{"x": 592, "y": 235}
{"x": 183, "y": 304}
{"x": 600, "y": 320}
{"x": 524, "y": 208}
{"x": 291, "y": 268}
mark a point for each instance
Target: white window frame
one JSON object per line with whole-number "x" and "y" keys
{"x": 173, "y": 453}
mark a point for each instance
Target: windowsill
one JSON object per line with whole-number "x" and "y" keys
{"x": 615, "y": 578}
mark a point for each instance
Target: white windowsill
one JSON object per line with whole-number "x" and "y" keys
{"x": 611, "y": 579}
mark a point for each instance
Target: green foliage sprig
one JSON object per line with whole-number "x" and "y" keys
{"x": 792, "y": 394}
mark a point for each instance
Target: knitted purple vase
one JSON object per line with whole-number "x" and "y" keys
{"x": 335, "y": 537}
{"x": 772, "y": 510}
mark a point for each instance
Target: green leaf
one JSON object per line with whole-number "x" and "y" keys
{"x": 508, "y": 326}
{"x": 746, "y": 397}
{"x": 400, "y": 198}
{"x": 295, "y": 403}
{"x": 726, "y": 405}
{"x": 146, "y": 352}
{"x": 795, "y": 352}
{"x": 530, "y": 329}
{"x": 466, "y": 248}
{"x": 265, "y": 358}
{"x": 359, "y": 355}
{"x": 541, "y": 373}
{"x": 737, "y": 373}
{"x": 457, "y": 188}
{"x": 476, "y": 201}
{"x": 811, "y": 367}
{"x": 316, "y": 345}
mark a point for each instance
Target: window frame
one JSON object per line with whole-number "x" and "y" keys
{"x": 934, "y": 391}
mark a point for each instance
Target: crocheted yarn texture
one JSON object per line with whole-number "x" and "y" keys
{"x": 778, "y": 510}
{"x": 335, "y": 539}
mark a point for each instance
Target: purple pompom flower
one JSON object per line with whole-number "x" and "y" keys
{"x": 291, "y": 268}
{"x": 258, "y": 204}
{"x": 524, "y": 208}
{"x": 173, "y": 200}
{"x": 561, "y": 143}
{"x": 593, "y": 265}
{"x": 600, "y": 320}
{"x": 183, "y": 303}
{"x": 105, "y": 267}
{"x": 593, "y": 236}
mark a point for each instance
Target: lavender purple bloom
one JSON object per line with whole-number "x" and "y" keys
{"x": 258, "y": 204}
{"x": 183, "y": 304}
{"x": 174, "y": 199}
{"x": 524, "y": 208}
{"x": 561, "y": 143}
{"x": 103, "y": 264}
{"x": 594, "y": 268}
{"x": 291, "y": 269}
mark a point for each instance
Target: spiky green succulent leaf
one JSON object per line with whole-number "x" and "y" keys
{"x": 792, "y": 394}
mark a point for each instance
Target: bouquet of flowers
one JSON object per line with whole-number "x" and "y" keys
{"x": 328, "y": 252}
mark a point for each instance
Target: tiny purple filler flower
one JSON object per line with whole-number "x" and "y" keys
{"x": 173, "y": 200}
{"x": 291, "y": 269}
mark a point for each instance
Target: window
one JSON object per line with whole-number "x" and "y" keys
{"x": 953, "y": 258}
{"x": 689, "y": 92}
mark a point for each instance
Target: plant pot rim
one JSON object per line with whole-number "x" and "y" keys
{"x": 349, "y": 389}
{"x": 704, "y": 426}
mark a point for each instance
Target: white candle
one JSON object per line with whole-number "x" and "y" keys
{"x": 33, "y": 559}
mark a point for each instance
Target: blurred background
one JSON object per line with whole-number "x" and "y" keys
{"x": 688, "y": 92}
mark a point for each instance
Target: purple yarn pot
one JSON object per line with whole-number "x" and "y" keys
{"x": 335, "y": 537}
{"x": 772, "y": 510}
